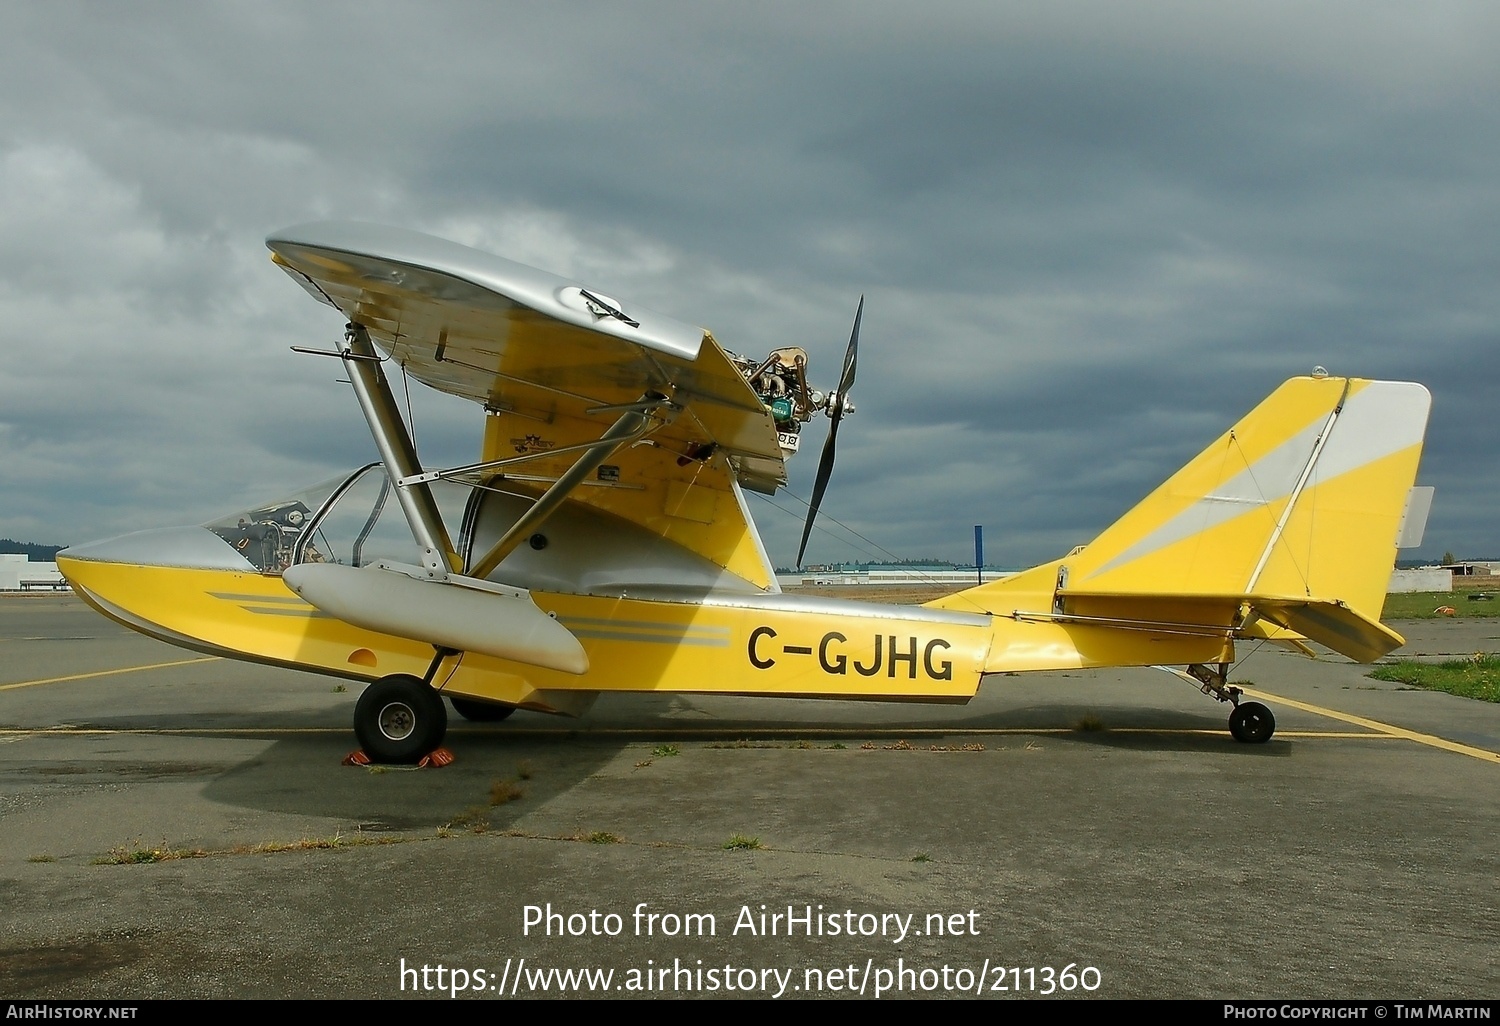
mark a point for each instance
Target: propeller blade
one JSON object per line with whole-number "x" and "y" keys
{"x": 835, "y": 414}
{"x": 825, "y": 468}
{"x": 846, "y": 380}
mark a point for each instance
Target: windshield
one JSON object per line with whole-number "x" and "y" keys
{"x": 353, "y": 519}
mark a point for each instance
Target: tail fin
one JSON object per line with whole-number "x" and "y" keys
{"x": 1291, "y": 516}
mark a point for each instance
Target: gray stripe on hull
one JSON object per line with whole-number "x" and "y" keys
{"x": 569, "y": 621}
{"x": 307, "y": 613}
{"x": 655, "y": 639}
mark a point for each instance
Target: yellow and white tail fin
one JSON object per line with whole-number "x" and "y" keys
{"x": 1291, "y": 517}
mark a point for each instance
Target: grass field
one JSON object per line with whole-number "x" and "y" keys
{"x": 1475, "y": 677}
{"x": 1424, "y": 605}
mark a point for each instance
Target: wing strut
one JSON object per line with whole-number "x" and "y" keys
{"x": 638, "y": 419}
{"x": 396, "y": 451}
{"x": 1296, "y": 493}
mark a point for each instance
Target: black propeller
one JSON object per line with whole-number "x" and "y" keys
{"x": 838, "y": 405}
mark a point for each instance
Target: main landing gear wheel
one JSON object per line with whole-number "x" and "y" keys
{"x": 399, "y": 719}
{"x": 1252, "y": 723}
{"x": 476, "y": 710}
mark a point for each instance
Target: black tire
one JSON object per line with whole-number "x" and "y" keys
{"x": 1252, "y": 723}
{"x": 399, "y": 719}
{"x": 477, "y": 710}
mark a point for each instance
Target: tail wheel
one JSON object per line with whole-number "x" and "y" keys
{"x": 1252, "y": 723}
{"x": 399, "y": 719}
{"x": 479, "y": 711}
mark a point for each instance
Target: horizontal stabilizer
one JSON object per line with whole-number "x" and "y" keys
{"x": 504, "y": 623}
{"x": 1329, "y": 622}
{"x": 1333, "y": 624}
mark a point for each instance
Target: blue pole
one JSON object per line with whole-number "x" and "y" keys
{"x": 979, "y": 551}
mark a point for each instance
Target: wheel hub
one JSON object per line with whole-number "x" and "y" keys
{"x": 397, "y": 720}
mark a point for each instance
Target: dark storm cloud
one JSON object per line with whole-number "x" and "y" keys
{"x": 1090, "y": 234}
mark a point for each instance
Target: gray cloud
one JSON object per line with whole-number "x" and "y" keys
{"x": 1091, "y": 234}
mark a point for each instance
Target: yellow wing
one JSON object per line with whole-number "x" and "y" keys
{"x": 552, "y": 362}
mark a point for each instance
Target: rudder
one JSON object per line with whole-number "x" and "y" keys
{"x": 1301, "y": 501}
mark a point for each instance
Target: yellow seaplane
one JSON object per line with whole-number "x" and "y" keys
{"x": 602, "y": 543}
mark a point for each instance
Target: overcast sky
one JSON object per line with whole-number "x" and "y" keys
{"x": 1090, "y": 235}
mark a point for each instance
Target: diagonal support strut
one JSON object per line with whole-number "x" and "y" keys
{"x": 396, "y": 451}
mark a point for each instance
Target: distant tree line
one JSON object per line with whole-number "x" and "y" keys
{"x": 34, "y": 552}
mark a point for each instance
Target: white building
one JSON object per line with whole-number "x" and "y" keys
{"x": 18, "y": 573}
{"x": 1420, "y": 578}
{"x": 956, "y": 579}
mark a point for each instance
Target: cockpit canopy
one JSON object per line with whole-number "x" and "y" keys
{"x": 353, "y": 520}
